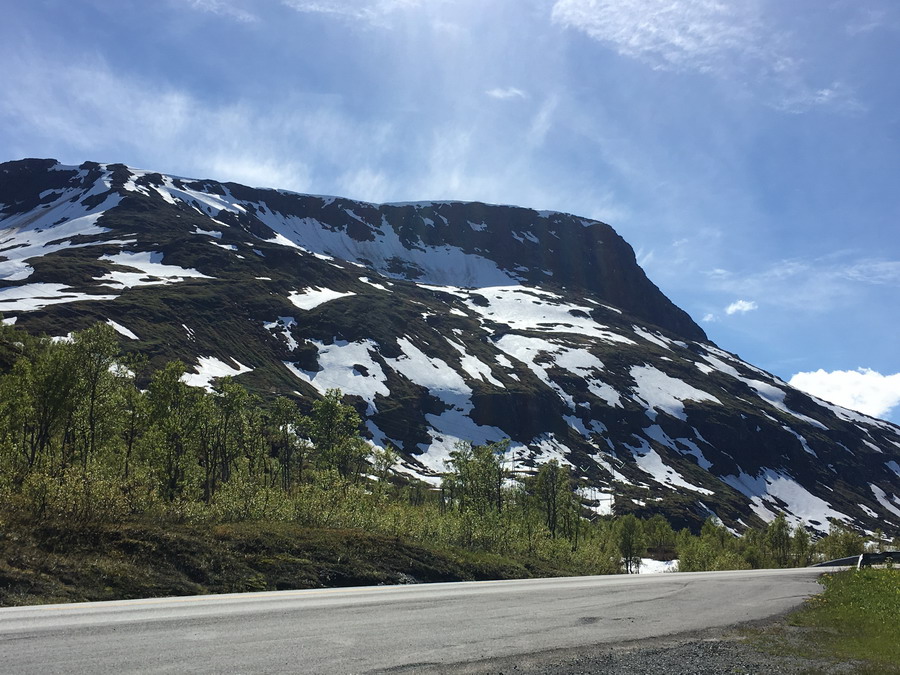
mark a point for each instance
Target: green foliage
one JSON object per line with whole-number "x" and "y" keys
{"x": 334, "y": 431}
{"x": 80, "y": 442}
{"x": 778, "y": 540}
{"x": 856, "y": 617}
{"x": 552, "y": 489}
{"x": 474, "y": 481}
{"x": 631, "y": 542}
{"x": 660, "y": 537}
{"x": 841, "y": 542}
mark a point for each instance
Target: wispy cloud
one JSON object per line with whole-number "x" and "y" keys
{"x": 224, "y": 8}
{"x": 369, "y": 11}
{"x": 862, "y": 389}
{"x": 107, "y": 117}
{"x": 809, "y": 285}
{"x": 741, "y": 307}
{"x": 542, "y": 122}
{"x": 837, "y": 96}
{"x": 673, "y": 34}
{"x": 868, "y": 20}
{"x": 506, "y": 93}
{"x": 730, "y": 40}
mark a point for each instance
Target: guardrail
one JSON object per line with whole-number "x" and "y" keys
{"x": 869, "y": 559}
{"x": 863, "y": 560}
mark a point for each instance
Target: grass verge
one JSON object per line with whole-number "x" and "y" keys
{"x": 51, "y": 562}
{"x": 854, "y": 622}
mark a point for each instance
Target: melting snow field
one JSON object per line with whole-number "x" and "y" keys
{"x": 29, "y": 297}
{"x": 801, "y": 505}
{"x": 651, "y": 566}
{"x": 543, "y": 334}
{"x": 313, "y": 297}
{"x": 347, "y": 366}
{"x": 151, "y": 272}
{"x": 530, "y": 309}
{"x": 121, "y": 330}
{"x": 437, "y": 264}
{"x": 50, "y": 229}
{"x": 650, "y": 462}
{"x": 891, "y": 503}
{"x": 283, "y": 326}
{"x": 665, "y": 394}
{"x": 209, "y": 368}
{"x": 351, "y": 367}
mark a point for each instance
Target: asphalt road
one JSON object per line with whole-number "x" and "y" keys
{"x": 350, "y": 630}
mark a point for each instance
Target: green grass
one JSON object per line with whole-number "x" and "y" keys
{"x": 855, "y": 621}
{"x": 54, "y": 561}
{"x": 858, "y": 616}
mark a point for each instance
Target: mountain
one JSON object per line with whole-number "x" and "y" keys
{"x": 441, "y": 321}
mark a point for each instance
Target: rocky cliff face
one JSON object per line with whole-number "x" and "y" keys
{"x": 442, "y": 321}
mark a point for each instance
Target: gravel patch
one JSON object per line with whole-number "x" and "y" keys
{"x": 723, "y": 654}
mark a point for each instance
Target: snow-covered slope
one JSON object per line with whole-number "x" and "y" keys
{"x": 443, "y": 321}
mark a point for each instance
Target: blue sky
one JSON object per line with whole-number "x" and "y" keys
{"x": 749, "y": 151}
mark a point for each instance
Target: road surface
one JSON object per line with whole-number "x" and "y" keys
{"x": 354, "y": 630}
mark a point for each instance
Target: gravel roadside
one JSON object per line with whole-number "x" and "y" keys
{"x": 711, "y": 653}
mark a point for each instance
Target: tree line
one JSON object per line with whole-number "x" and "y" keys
{"x": 90, "y": 435}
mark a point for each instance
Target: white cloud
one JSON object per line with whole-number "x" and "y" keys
{"x": 672, "y": 34}
{"x": 369, "y": 11}
{"x": 742, "y": 306}
{"x": 709, "y": 317}
{"x": 507, "y": 93}
{"x": 837, "y": 96}
{"x": 224, "y": 8}
{"x": 863, "y": 389}
{"x": 881, "y": 272}
{"x": 106, "y": 117}
{"x": 867, "y": 21}
{"x": 810, "y": 285}
{"x": 543, "y": 122}
{"x": 365, "y": 184}
{"x": 734, "y": 41}
{"x": 644, "y": 258}
{"x": 92, "y": 110}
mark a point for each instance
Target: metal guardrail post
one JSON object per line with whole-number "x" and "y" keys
{"x": 869, "y": 559}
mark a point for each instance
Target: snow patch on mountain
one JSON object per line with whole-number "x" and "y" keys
{"x": 661, "y": 393}
{"x": 450, "y": 428}
{"x": 650, "y": 462}
{"x": 30, "y": 297}
{"x": 209, "y": 233}
{"x": 50, "y": 229}
{"x": 530, "y": 309}
{"x": 371, "y": 283}
{"x": 442, "y": 381}
{"x": 283, "y": 327}
{"x": 802, "y": 440}
{"x": 442, "y": 265}
{"x": 347, "y": 366}
{"x": 774, "y": 396}
{"x": 684, "y": 446}
{"x": 311, "y": 298}
{"x": 473, "y": 366}
{"x": 891, "y": 503}
{"x": 152, "y": 271}
{"x": 121, "y": 330}
{"x": 209, "y": 368}
{"x": 533, "y": 352}
{"x": 772, "y": 492}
